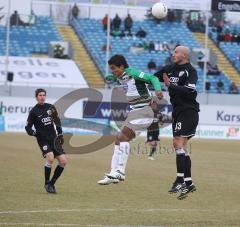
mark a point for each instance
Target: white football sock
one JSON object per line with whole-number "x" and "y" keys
{"x": 115, "y": 158}
{"x": 122, "y": 162}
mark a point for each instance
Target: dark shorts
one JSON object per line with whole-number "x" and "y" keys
{"x": 47, "y": 146}
{"x": 185, "y": 123}
{"x": 153, "y": 132}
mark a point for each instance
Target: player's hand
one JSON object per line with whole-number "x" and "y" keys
{"x": 159, "y": 94}
{"x": 34, "y": 133}
{"x": 166, "y": 79}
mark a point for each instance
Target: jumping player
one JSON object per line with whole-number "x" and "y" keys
{"x": 140, "y": 116}
{"x": 44, "y": 117}
{"x": 181, "y": 78}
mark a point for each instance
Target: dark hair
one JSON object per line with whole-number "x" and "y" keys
{"x": 118, "y": 60}
{"x": 39, "y": 90}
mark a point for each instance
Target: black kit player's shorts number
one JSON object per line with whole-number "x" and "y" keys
{"x": 185, "y": 123}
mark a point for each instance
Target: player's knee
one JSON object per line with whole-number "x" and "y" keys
{"x": 50, "y": 159}
{"x": 63, "y": 162}
{"x": 177, "y": 143}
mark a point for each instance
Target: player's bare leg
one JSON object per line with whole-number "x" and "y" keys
{"x": 119, "y": 158}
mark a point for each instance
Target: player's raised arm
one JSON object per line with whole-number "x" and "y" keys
{"x": 148, "y": 78}
{"x": 29, "y": 125}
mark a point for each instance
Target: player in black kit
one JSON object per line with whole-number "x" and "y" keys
{"x": 44, "y": 117}
{"x": 181, "y": 78}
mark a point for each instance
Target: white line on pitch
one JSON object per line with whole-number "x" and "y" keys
{"x": 116, "y": 210}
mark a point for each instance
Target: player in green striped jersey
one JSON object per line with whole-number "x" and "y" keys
{"x": 140, "y": 116}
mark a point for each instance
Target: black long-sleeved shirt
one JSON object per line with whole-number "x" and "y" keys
{"x": 182, "y": 89}
{"x": 44, "y": 118}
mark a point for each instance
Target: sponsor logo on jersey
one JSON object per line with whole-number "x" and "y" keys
{"x": 47, "y": 120}
{"x": 174, "y": 79}
{"x": 49, "y": 112}
{"x": 181, "y": 73}
{"x": 45, "y": 147}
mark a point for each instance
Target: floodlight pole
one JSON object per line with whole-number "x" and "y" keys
{"x": 108, "y": 36}
{"x": 8, "y": 39}
{"x": 206, "y": 47}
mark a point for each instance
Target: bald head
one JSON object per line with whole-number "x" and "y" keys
{"x": 181, "y": 55}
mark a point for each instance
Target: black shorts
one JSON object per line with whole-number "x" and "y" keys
{"x": 47, "y": 146}
{"x": 153, "y": 132}
{"x": 185, "y": 123}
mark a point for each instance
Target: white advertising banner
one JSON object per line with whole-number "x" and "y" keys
{"x": 44, "y": 72}
{"x": 219, "y": 115}
{"x": 216, "y": 122}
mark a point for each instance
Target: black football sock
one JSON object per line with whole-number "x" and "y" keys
{"x": 47, "y": 172}
{"x": 181, "y": 165}
{"x": 153, "y": 150}
{"x": 187, "y": 173}
{"x": 57, "y": 173}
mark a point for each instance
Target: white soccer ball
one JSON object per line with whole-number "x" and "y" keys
{"x": 159, "y": 10}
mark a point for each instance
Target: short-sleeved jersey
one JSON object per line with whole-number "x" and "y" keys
{"x": 134, "y": 83}
{"x": 44, "y": 118}
{"x": 182, "y": 89}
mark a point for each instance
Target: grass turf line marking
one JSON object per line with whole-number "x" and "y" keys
{"x": 116, "y": 210}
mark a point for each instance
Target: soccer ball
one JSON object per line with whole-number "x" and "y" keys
{"x": 159, "y": 10}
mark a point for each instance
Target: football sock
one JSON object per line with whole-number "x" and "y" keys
{"x": 181, "y": 165}
{"x": 124, "y": 149}
{"x": 153, "y": 150}
{"x": 187, "y": 173}
{"x": 57, "y": 173}
{"x": 115, "y": 158}
{"x": 47, "y": 171}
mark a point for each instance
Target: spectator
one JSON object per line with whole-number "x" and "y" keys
{"x": 228, "y": 37}
{"x": 75, "y": 11}
{"x": 116, "y": 23}
{"x": 238, "y": 39}
{"x": 233, "y": 88}
{"x": 145, "y": 46}
{"x": 128, "y": 23}
{"x": 172, "y": 45}
{"x": 207, "y": 86}
{"x": 141, "y": 33}
{"x": 16, "y": 20}
{"x": 151, "y": 65}
{"x": 165, "y": 46}
{"x": 158, "y": 46}
{"x": 105, "y": 22}
{"x": 151, "y": 46}
{"x": 220, "y": 86}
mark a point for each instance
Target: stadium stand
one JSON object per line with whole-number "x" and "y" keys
{"x": 93, "y": 36}
{"x": 232, "y": 48}
{"x": 28, "y": 40}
